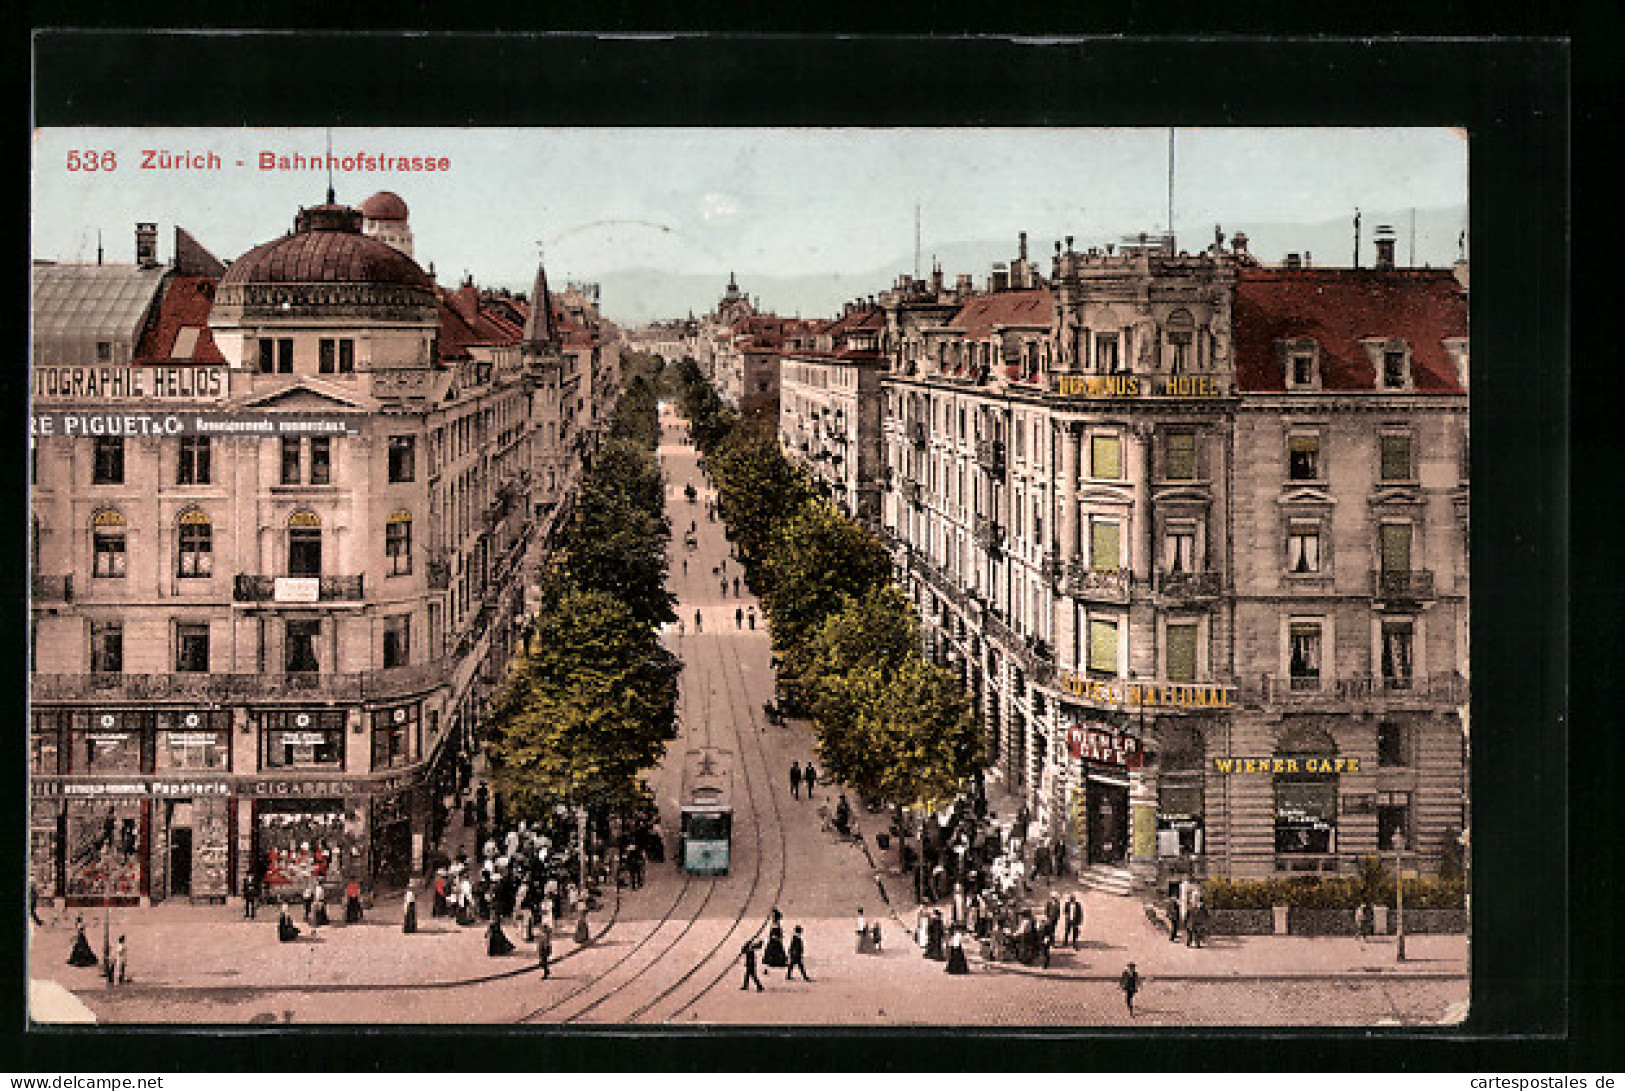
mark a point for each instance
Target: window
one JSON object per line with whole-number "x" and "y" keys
{"x": 304, "y": 544}
{"x": 1302, "y": 365}
{"x": 1396, "y": 547}
{"x": 300, "y": 646}
{"x": 1393, "y": 821}
{"x": 1303, "y": 369}
{"x": 336, "y": 354}
{"x": 194, "y": 546}
{"x": 1179, "y": 549}
{"x": 276, "y": 354}
{"x": 193, "y": 740}
{"x": 321, "y": 460}
{"x": 1106, "y": 354}
{"x": 1303, "y": 654}
{"x": 290, "y": 461}
{"x": 1398, "y": 647}
{"x": 397, "y": 640}
{"x": 294, "y": 739}
{"x": 398, "y": 544}
{"x": 400, "y": 458}
{"x": 1180, "y": 456}
{"x": 1106, "y": 457}
{"x": 193, "y": 468}
{"x": 1303, "y": 457}
{"x": 1102, "y": 647}
{"x": 1395, "y": 369}
{"x": 104, "y": 352}
{"x": 1105, "y": 545}
{"x": 106, "y": 647}
{"x": 107, "y": 467}
{"x": 107, "y": 545}
{"x": 1391, "y": 744}
{"x": 109, "y": 743}
{"x": 1396, "y": 458}
{"x": 191, "y": 647}
{"x": 1181, "y": 653}
{"x": 1303, "y": 548}
{"x": 394, "y": 736}
{"x": 1181, "y": 330}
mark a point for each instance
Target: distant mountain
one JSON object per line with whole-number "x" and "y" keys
{"x": 635, "y": 296}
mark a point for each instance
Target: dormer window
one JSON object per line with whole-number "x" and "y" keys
{"x": 1391, "y": 360}
{"x": 1302, "y": 364}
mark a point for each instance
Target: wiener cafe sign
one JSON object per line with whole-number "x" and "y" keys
{"x": 1122, "y": 693}
{"x": 1108, "y": 747}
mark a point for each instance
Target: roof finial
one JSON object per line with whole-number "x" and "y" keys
{"x": 330, "y": 195}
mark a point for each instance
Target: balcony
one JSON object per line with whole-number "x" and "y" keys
{"x": 989, "y": 534}
{"x": 916, "y": 433}
{"x": 374, "y": 685}
{"x": 52, "y": 588}
{"x": 439, "y": 573}
{"x": 990, "y": 456}
{"x": 1190, "y": 586}
{"x": 1362, "y": 690}
{"x": 912, "y": 493}
{"x": 1099, "y": 585}
{"x": 1053, "y": 569}
{"x": 1401, "y": 587}
{"x": 297, "y": 589}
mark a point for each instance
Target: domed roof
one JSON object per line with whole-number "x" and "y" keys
{"x": 326, "y": 248}
{"x": 384, "y": 205}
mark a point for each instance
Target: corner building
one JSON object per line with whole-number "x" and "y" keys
{"x": 262, "y": 652}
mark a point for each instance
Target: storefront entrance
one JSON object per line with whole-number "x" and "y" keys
{"x": 180, "y": 861}
{"x": 1108, "y": 821}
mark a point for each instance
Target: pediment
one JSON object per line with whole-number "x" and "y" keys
{"x": 1305, "y": 496}
{"x": 1098, "y": 495}
{"x": 307, "y": 397}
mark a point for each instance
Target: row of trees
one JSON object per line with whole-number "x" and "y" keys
{"x": 591, "y": 699}
{"x": 846, "y": 641}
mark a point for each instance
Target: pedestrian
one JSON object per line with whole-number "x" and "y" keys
{"x": 1130, "y": 984}
{"x": 697, "y": 626}
{"x": 286, "y": 930}
{"x": 866, "y": 939}
{"x": 33, "y": 905}
{"x": 497, "y": 943}
{"x": 251, "y": 895}
{"x": 797, "y": 955}
{"x": 685, "y": 566}
{"x": 1073, "y": 914}
{"x": 724, "y": 584}
{"x": 309, "y": 898}
{"x": 936, "y": 934}
{"x": 482, "y": 797}
{"x": 795, "y": 780}
{"x": 318, "y": 906}
{"x": 809, "y": 777}
{"x": 679, "y": 626}
{"x": 118, "y": 970}
{"x": 750, "y": 618}
{"x": 81, "y": 955}
{"x": 1174, "y": 915}
{"x": 544, "y": 948}
{"x": 1052, "y": 913}
{"x": 774, "y": 954}
{"x": 1046, "y": 940}
{"x": 440, "y": 906}
{"x": 739, "y": 617}
{"x": 1195, "y": 924}
{"x": 352, "y": 902}
{"x": 409, "y": 917}
{"x": 736, "y": 587}
{"x": 749, "y": 951}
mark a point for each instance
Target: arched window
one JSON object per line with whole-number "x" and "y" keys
{"x": 107, "y": 539}
{"x": 304, "y": 543}
{"x": 1181, "y": 334}
{"x": 194, "y": 545}
{"x": 398, "y": 543}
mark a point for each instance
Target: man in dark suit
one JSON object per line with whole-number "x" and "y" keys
{"x": 810, "y": 778}
{"x": 1073, "y": 915}
{"x": 749, "y": 951}
{"x": 798, "y": 951}
{"x": 795, "y": 780}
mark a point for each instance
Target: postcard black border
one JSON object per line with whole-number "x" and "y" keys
{"x": 1513, "y": 98}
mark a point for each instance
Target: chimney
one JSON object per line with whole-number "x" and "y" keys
{"x": 1385, "y": 248}
{"x": 1294, "y": 260}
{"x": 146, "y": 245}
{"x": 1238, "y": 242}
{"x": 1000, "y": 280}
{"x": 963, "y": 285}
{"x": 936, "y": 277}
{"x": 1023, "y": 251}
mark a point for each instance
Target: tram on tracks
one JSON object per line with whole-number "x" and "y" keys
{"x": 706, "y": 830}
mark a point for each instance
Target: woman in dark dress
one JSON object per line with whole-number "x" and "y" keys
{"x": 286, "y": 930}
{"x": 318, "y": 906}
{"x": 409, "y": 922}
{"x": 956, "y": 953}
{"x": 81, "y": 955}
{"x": 774, "y": 954}
{"x": 352, "y": 902}
{"x": 935, "y": 935}
{"x": 439, "y": 908}
{"x": 496, "y": 943}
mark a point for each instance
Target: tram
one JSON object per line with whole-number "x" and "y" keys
{"x": 707, "y": 811}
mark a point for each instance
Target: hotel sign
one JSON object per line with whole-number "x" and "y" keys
{"x": 1120, "y": 692}
{"x": 1139, "y": 386}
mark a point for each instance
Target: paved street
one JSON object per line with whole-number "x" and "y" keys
{"x": 668, "y": 953}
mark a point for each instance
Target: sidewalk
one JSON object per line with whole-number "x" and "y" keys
{"x": 1116, "y": 930}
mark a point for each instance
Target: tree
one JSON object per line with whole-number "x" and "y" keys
{"x": 617, "y": 535}
{"x": 876, "y": 628}
{"x": 588, "y": 706}
{"x": 905, "y": 736}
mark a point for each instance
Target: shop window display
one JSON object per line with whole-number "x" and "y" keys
{"x": 306, "y": 841}
{"x": 295, "y": 740}
{"x": 105, "y": 847}
{"x": 193, "y": 740}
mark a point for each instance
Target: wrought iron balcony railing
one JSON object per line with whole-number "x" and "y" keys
{"x": 382, "y": 684}
{"x": 251, "y": 588}
{"x": 1402, "y": 585}
{"x": 988, "y": 533}
{"x": 1099, "y": 584}
{"x": 1190, "y": 585}
{"x": 1438, "y": 688}
{"x": 990, "y": 456}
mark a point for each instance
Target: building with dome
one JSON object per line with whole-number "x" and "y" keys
{"x": 261, "y": 642}
{"x": 384, "y": 217}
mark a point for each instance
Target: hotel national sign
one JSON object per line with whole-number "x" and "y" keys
{"x": 1122, "y": 693}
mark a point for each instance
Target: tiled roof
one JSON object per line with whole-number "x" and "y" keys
{"x": 468, "y": 318}
{"x": 982, "y": 314}
{"x": 1338, "y": 308}
{"x": 178, "y": 332}
{"x": 326, "y": 256}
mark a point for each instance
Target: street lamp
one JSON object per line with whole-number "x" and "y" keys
{"x": 582, "y": 934}
{"x": 1399, "y": 893}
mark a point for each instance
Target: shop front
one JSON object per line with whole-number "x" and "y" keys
{"x": 1103, "y": 757}
{"x": 300, "y": 839}
{"x": 1181, "y": 799}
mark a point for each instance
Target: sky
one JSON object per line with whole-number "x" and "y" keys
{"x": 701, "y": 203}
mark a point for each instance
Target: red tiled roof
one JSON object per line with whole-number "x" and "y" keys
{"x": 1027, "y": 307}
{"x": 184, "y": 304}
{"x": 1338, "y": 308}
{"x": 866, "y": 319}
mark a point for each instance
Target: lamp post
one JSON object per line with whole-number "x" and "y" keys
{"x": 582, "y": 933}
{"x": 108, "y": 830}
{"x": 1399, "y": 894}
